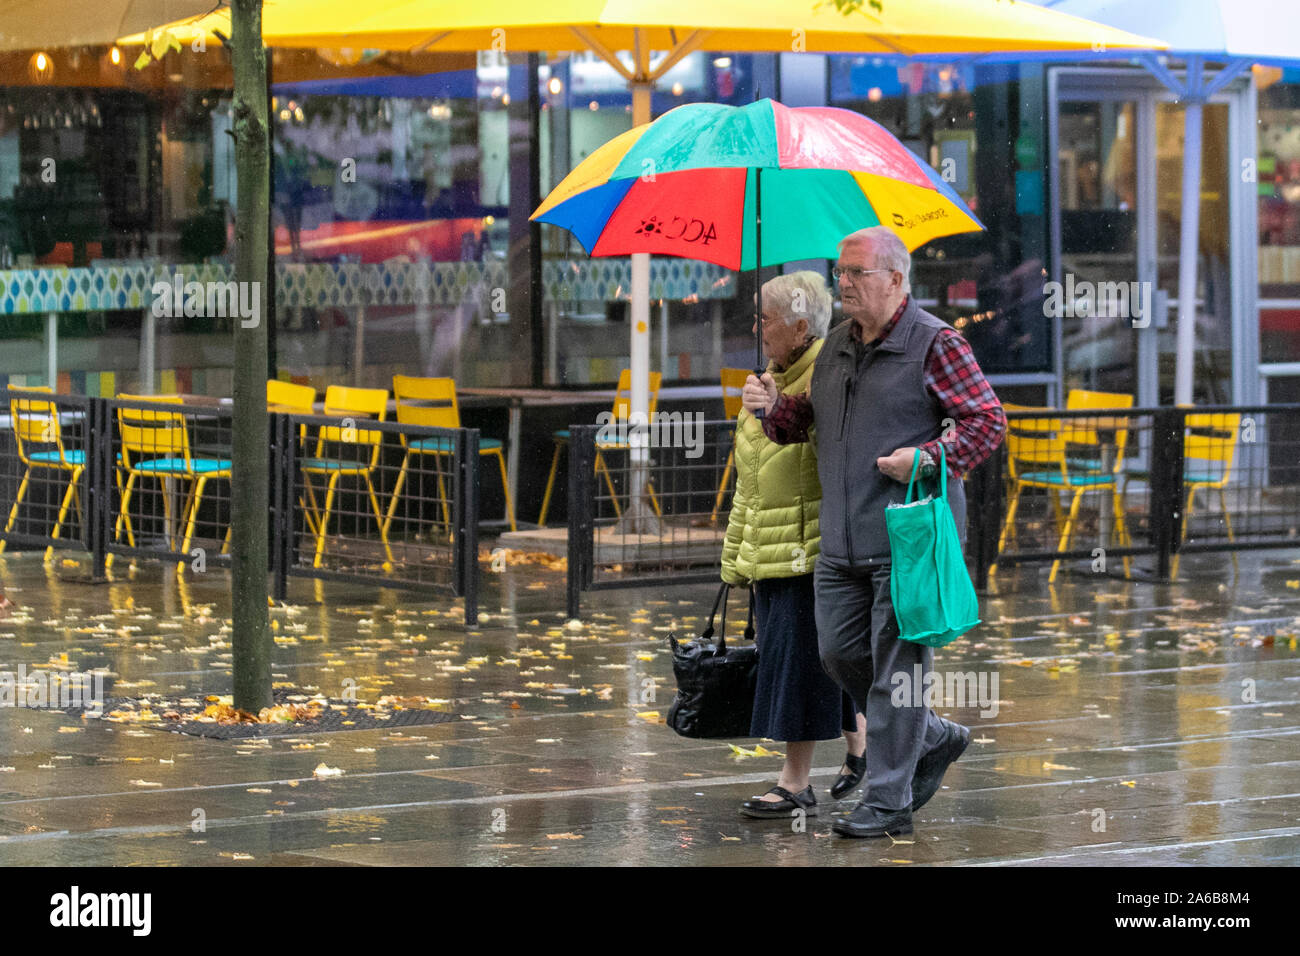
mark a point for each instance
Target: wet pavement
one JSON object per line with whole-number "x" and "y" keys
{"x": 1135, "y": 724}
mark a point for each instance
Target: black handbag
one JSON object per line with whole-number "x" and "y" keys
{"x": 715, "y": 684}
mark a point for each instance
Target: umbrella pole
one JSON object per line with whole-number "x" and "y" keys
{"x": 758, "y": 276}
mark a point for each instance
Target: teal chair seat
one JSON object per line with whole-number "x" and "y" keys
{"x": 74, "y": 457}
{"x": 177, "y": 466}
{"x": 333, "y": 464}
{"x": 445, "y": 444}
{"x": 1055, "y": 478}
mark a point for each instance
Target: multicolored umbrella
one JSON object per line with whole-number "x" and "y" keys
{"x": 688, "y": 185}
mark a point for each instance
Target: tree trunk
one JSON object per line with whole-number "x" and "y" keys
{"x": 251, "y": 640}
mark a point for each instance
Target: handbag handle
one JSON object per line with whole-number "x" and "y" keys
{"x": 749, "y": 624}
{"x": 943, "y": 475}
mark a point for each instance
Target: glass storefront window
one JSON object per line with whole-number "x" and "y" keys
{"x": 1278, "y": 170}
{"x": 982, "y": 129}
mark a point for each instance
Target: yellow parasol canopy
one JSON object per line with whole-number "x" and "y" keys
{"x": 901, "y": 27}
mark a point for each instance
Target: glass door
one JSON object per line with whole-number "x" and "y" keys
{"x": 1098, "y": 263}
{"x": 1117, "y": 141}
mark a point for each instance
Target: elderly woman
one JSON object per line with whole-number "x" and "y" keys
{"x": 772, "y": 542}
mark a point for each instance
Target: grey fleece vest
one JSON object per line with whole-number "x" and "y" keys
{"x": 865, "y": 413}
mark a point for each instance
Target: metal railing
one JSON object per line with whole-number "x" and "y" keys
{"x": 351, "y": 499}
{"x": 632, "y": 524}
{"x": 1139, "y": 481}
{"x": 1097, "y": 485}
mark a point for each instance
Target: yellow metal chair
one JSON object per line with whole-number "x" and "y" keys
{"x": 1079, "y": 431}
{"x": 733, "y": 383}
{"x": 36, "y": 422}
{"x": 292, "y": 399}
{"x": 156, "y": 444}
{"x": 414, "y": 407}
{"x": 1209, "y": 446}
{"x": 622, "y": 410}
{"x": 1036, "y": 458}
{"x": 343, "y": 401}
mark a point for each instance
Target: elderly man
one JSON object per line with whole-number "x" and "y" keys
{"x": 889, "y": 381}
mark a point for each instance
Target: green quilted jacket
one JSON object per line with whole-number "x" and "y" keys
{"x": 773, "y": 529}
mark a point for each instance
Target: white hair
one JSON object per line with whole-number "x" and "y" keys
{"x": 800, "y": 295}
{"x": 891, "y": 252}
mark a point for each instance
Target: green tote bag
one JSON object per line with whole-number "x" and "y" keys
{"x": 933, "y": 597}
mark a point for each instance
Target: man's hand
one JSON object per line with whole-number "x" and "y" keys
{"x": 898, "y": 465}
{"x": 760, "y": 393}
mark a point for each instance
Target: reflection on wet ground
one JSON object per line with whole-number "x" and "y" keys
{"x": 1134, "y": 724}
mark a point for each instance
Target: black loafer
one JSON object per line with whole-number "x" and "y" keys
{"x": 805, "y": 800}
{"x": 931, "y": 768}
{"x": 847, "y": 781}
{"x": 868, "y": 821}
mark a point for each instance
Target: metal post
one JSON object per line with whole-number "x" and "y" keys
{"x": 1189, "y": 238}
{"x": 52, "y": 350}
{"x": 98, "y": 495}
{"x": 283, "y": 446}
{"x": 467, "y": 530}
{"x": 582, "y": 502}
{"x": 985, "y": 490}
{"x": 1166, "y": 485}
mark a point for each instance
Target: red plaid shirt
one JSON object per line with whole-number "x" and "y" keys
{"x": 952, "y": 376}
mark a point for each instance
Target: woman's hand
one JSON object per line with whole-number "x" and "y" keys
{"x": 759, "y": 393}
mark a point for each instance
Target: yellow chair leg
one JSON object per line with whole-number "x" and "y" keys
{"x": 654, "y": 502}
{"x": 1121, "y": 526}
{"x": 13, "y": 512}
{"x": 323, "y": 527}
{"x": 196, "y": 499}
{"x": 1057, "y": 510}
{"x": 442, "y": 501}
{"x": 722, "y": 487}
{"x": 505, "y": 487}
{"x": 609, "y": 480}
{"x": 550, "y": 484}
{"x": 379, "y": 518}
{"x": 1007, "y": 527}
{"x": 1227, "y": 518}
{"x": 312, "y": 511}
{"x": 1065, "y": 535}
{"x": 123, "y": 515}
{"x": 1187, "y": 514}
{"x": 397, "y": 491}
{"x": 63, "y": 508}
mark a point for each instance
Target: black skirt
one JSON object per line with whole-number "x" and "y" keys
{"x": 795, "y": 699}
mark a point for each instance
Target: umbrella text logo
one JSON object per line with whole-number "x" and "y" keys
{"x": 679, "y": 228}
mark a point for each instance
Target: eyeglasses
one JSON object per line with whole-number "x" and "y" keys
{"x": 838, "y": 274}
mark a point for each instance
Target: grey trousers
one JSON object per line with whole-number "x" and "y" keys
{"x": 857, "y": 635}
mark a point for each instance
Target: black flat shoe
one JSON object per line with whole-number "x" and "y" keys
{"x": 760, "y": 809}
{"x": 847, "y": 781}
{"x": 866, "y": 821}
{"x": 931, "y": 768}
